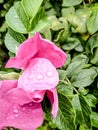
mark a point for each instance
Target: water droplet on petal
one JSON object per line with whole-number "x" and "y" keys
{"x": 30, "y": 109}
{"x": 49, "y": 74}
{"x": 32, "y": 71}
{"x": 31, "y": 76}
{"x": 23, "y": 109}
{"x": 16, "y": 115}
{"x": 40, "y": 77}
{"x": 15, "y": 111}
{"x": 30, "y": 104}
{"x": 7, "y": 118}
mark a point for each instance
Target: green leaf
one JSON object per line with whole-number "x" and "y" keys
{"x": 62, "y": 36}
{"x": 31, "y": 7}
{"x": 1, "y": 1}
{"x": 84, "y": 78}
{"x": 92, "y": 44}
{"x": 3, "y": 27}
{"x": 80, "y": 57}
{"x": 39, "y": 22}
{"x": 13, "y": 40}
{"x": 77, "y": 105}
{"x": 71, "y": 43}
{"x": 76, "y": 66}
{"x": 42, "y": 128}
{"x": 92, "y": 100}
{"x": 83, "y": 91}
{"x": 92, "y": 24}
{"x": 78, "y": 20}
{"x": 65, "y": 89}
{"x": 66, "y": 115}
{"x": 83, "y": 127}
{"x": 9, "y": 76}
{"x": 17, "y": 19}
{"x": 62, "y": 74}
{"x": 94, "y": 119}
{"x": 57, "y": 24}
{"x": 94, "y": 59}
{"x": 67, "y": 11}
{"x": 71, "y": 2}
{"x": 39, "y": 16}
{"x": 86, "y": 111}
{"x": 79, "y": 48}
{"x": 41, "y": 25}
{"x": 67, "y": 61}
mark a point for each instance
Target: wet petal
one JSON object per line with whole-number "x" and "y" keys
{"x": 19, "y": 96}
{"x": 26, "y": 117}
{"x": 0, "y": 83}
{"x": 37, "y": 47}
{"x": 39, "y": 75}
{"x": 7, "y": 85}
{"x": 37, "y": 96}
{"x": 53, "y": 97}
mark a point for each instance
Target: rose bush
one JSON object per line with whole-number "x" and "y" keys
{"x": 71, "y": 25}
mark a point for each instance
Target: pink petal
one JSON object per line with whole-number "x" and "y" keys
{"x": 39, "y": 75}
{"x": 0, "y": 83}
{"x": 37, "y": 47}
{"x": 19, "y": 96}
{"x": 25, "y": 52}
{"x": 37, "y": 96}
{"x": 7, "y": 85}
{"x": 53, "y": 97}
{"x": 26, "y": 117}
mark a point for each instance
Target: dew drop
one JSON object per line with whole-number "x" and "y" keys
{"x": 30, "y": 104}
{"x": 40, "y": 77}
{"x": 7, "y": 118}
{"x": 49, "y": 74}
{"x": 30, "y": 110}
{"x": 32, "y": 71}
{"x": 16, "y": 115}
{"x": 23, "y": 109}
{"x": 15, "y": 111}
{"x": 31, "y": 77}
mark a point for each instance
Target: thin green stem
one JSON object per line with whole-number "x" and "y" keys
{"x": 68, "y": 82}
{"x": 84, "y": 4}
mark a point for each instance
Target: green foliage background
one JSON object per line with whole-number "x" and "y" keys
{"x": 73, "y": 26}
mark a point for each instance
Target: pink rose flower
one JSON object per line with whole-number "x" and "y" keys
{"x": 37, "y": 47}
{"x": 28, "y": 116}
{"x": 38, "y": 78}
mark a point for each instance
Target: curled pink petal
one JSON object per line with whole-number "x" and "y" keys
{"x": 39, "y": 75}
{"x": 37, "y": 96}
{"x": 26, "y": 117}
{"x": 37, "y": 47}
{"x": 53, "y": 97}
